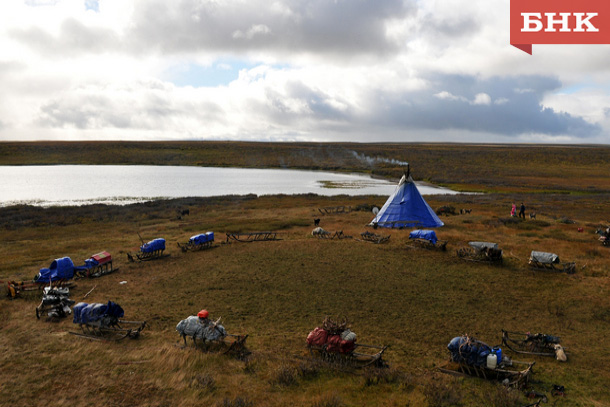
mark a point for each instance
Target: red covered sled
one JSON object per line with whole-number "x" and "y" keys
{"x": 336, "y": 343}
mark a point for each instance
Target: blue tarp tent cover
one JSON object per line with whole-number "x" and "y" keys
{"x": 85, "y": 313}
{"x": 428, "y": 235}
{"x": 406, "y": 208}
{"x": 60, "y": 269}
{"x": 153, "y": 245}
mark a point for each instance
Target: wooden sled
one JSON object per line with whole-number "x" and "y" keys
{"x": 360, "y": 357}
{"x": 157, "y": 254}
{"x": 425, "y": 244}
{"x": 152, "y": 250}
{"x": 550, "y": 262}
{"x": 483, "y": 252}
{"x": 233, "y": 345}
{"x": 374, "y": 238}
{"x": 517, "y": 375}
{"x": 100, "y": 331}
{"x": 103, "y": 322}
{"x": 531, "y": 344}
{"x": 330, "y": 210}
{"x": 104, "y": 266}
{"x": 201, "y": 241}
{"x": 330, "y": 236}
{"x": 16, "y": 289}
{"x": 252, "y": 237}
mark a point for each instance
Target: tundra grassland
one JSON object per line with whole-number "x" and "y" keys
{"x": 465, "y": 167}
{"x": 412, "y": 299}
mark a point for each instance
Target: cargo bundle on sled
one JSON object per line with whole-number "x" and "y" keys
{"x": 604, "y": 234}
{"x": 485, "y": 252}
{"x": 149, "y": 251}
{"x": 55, "y": 303}
{"x": 550, "y": 261}
{"x": 475, "y": 358}
{"x": 336, "y": 344}
{"x": 534, "y": 344}
{"x": 211, "y": 336}
{"x": 374, "y": 238}
{"x": 198, "y": 242}
{"x": 59, "y": 275}
{"x": 102, "y": 322}
{"x": 426, "y": 239}
{"x": 97, "y": 265}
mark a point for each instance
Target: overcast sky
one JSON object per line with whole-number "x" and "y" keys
{"x": 288, "y": 70}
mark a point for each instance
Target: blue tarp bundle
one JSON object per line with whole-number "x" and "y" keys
{"x": 89, "y": 264}
{"x": 429, "y": 235}
{"x": 85, "y": 313}
{"x": 202, "y": 238}
{"x": 471, "y": 352}
{"x": 153, "y": 245}
{"x": 60, "y": 269}
{"x": 406, "y": 208}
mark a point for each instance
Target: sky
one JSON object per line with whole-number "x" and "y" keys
{"x": 288, "y": 70}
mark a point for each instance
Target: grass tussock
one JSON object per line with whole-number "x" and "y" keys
{"x": 329, "y": 400}
{"x": 236, "y": 402}
{"x": 443, "y": 392}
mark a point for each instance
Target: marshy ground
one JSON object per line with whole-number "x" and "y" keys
{"x": 411, "y": 299}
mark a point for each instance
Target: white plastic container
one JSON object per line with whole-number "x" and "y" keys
{"x": 492, "y": 361}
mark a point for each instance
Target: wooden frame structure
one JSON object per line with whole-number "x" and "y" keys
{"x": 356, "y": 358}
{"x": 252, "y": 237}
{"x": 508, "y": 375}
{"x": 530, "y": 344}
{"x": 550, "y": 262}
{"x": 374, "y": 238}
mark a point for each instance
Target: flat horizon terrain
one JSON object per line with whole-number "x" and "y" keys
{"x": 412, "y": 299}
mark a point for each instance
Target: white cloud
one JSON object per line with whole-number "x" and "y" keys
{"x": 481, "y": 99}
{"x": 318, "y": 70}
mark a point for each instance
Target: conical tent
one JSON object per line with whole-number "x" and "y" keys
{"x": 406, "y": 208}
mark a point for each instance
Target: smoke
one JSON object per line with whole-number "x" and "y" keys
{"x": 375, "y": 160}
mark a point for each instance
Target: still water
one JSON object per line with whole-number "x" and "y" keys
{"x": 64, "y": 185}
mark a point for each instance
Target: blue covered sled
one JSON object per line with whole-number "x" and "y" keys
{"x": 198, "y": 242}
{"x": 427, "y": 239}
{"x": 475, "y": 358}
{"x": 102, "y": 321}
{"x": 60, "y": 269}
{"x": 150, "y": 251}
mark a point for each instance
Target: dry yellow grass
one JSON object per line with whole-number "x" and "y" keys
{"x": 412, "y": 299}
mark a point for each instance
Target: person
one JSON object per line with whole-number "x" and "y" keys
{"x": 513, "y": 210}
{"x": 522, "y": 211}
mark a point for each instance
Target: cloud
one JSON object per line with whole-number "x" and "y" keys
{"x": 318, "y": 26}
{"x": 258, "y": 29}
{"x": 481, "y": 99}
{"x": 73, "y": 37}
{"x": 385, "y": 70}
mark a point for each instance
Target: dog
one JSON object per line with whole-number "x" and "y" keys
{"x": 533, "y": 215}
{"x": 316, "y": 222}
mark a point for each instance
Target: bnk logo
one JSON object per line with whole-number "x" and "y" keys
{"x": 559, "y": 22}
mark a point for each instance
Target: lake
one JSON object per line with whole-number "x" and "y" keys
{"x": 67, "y": 185}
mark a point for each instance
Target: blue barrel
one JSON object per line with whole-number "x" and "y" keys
{"x": 498, "y": 351}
